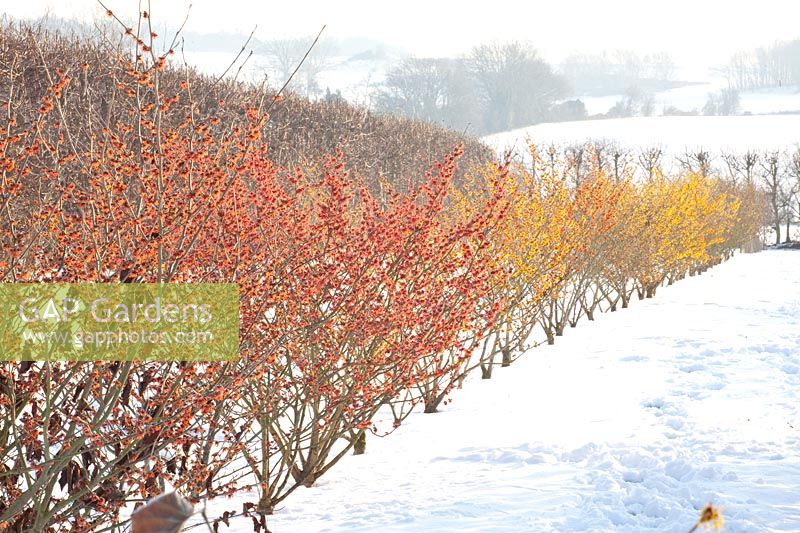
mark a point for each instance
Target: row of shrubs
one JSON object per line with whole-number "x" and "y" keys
{"x": 362, "y": 293}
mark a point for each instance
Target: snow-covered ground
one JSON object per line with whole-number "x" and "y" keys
{"x": 673, "y": 134}
{"x": 629, "y": 423}
{"x": 356, "y": 79}
{"x": 694, "y": 96}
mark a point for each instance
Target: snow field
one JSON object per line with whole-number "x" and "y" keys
{"x": 694, "y": 97}
{"x": 630, "y": 423}
{"x": 673, "y": 134}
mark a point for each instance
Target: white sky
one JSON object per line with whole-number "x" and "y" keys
{"x": 696, "y": 32}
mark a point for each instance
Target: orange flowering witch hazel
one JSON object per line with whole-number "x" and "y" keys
{"x": 368, "y": 296}
{"x": 136, "y": 194}
{"x": 347, "y": 299}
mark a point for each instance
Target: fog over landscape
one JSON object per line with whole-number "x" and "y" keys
{"x": 695, "y": 33}
{"x": 565, "y": 61}
{"x": 698, "y": 37}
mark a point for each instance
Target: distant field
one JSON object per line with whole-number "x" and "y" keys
{"x": 355, "y": 79}
{"x": 694, "y": 96}
{"x": 673, "y": 134}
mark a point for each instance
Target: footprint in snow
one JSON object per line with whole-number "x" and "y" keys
{"x": 657, "y": 403}
{"x": 790, "y": 369}
{"x": 635, "y": 358}
{"x": 676, "y": 423}
{"x": 693, "y": 368}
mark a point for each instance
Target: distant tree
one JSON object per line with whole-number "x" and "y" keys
{"x": 649, "y": 160}
{"x": 636, "y": 102}
{"x": 793, "y": 199}
{"x": 711, "y": 107}
{"x": 630, "y": 64}
{"x": 568, "y": 110}
{"x": 647, "y": 105}
{"x": 772, "y": 173}
{"x": 661, "y": 66}
{"x": 607, "y": 74}
{"x": 620, "y": 159}
{"x": 698, "y": 161}
{"x": 317, "y": 61}
{"x": 286, "y": 54}
{"x": 725, "y": 102}
{"x": 792, "y": 51}
{"x": 496, "y": 88}
{"x": 416, "y": 87}
{"x": 771, "y": 66}
{"x": 741, "y": 166}
{"x": 590, "y": 74}
{"x": 621, "y": 109}
{"x": 729, "y": 102}
{"x": 432, "y": 89}
{"x": 516, "y": 86}
{"x": 575, "y": 157}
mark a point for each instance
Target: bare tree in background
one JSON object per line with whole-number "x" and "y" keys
{"x": 432, "y": 89}
{"x": 635, "y": 102}
{"x": 791, "y": 191}
{"x": 741, "y": 166}
{"x": 605, "y": 73}
{"x": 286, "y": 54}
{"x": 575, "y": 156}
{"x": 516, "y": 85}
{"x": 315, "y": 63}
{"x": 496, "y": 88}
{"x": 630, "y": 63}
{"x": 620, "y": 160}
{"x": 600, "y": 152}
{"x": 725, "y": 102}
{"x": 770, "y": 66}
{"x": 662, "y": 66}
{"x": 773, "y": 177}
{"x": 698, "y": 161}
{"x": 416, "y": 87}
{"x": 650, "y": 160}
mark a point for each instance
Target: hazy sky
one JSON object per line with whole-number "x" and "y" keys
{"x": 694, "y": 31}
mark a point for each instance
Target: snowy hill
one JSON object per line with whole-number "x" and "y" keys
{"x": 673, "y": 134}
{"x": 355, "y": 78}
{"x": 630, "y": 423}
{"x": 693, "y": 97}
